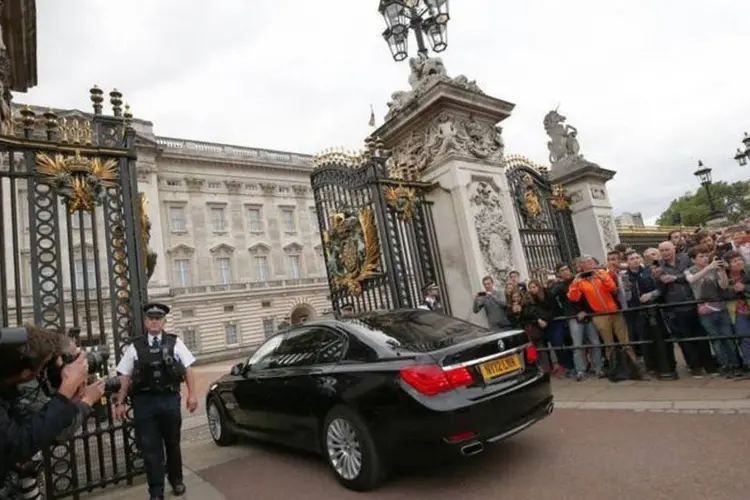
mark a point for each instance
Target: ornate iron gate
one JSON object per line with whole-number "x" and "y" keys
{"x": 378, "y": 232}
{"x": 73, "y": 255}
{"x": 544, "y": 217}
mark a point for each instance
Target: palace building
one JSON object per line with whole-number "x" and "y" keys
{"x": 234, "y": 229}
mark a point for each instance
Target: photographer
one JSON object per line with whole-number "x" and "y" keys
{"x": 598, "y": 288}
{"x": 21, "y": 363}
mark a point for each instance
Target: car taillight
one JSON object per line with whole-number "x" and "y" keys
{"x": 531, "y": 354}
{"x": 431, "y": 380}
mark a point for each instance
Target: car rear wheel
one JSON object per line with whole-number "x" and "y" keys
{"x": 217, "y": 424}
{"x": 351, "y": 451}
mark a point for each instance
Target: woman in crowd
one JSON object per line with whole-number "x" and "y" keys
{"x": 542, "y": 310}
{"x": 739, "y": 309}
{"x": 522, "y": 314}
{"x": 650, "y": 257}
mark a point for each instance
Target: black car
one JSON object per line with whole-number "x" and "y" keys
{"x": 384, "y": 388}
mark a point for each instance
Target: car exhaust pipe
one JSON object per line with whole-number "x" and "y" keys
{"x": 550, "y": 408}
{"x": 470, "y": 449}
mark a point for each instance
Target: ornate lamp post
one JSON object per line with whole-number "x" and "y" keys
{"x": 424, "y": 17}
{"x": 704, "y": 176}
{"x": 741, "y": 156}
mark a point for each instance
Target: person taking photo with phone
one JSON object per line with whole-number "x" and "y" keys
{"x": 493, "y": 303}
{"x": 709, "y": 281}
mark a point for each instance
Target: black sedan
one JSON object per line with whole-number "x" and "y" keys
{"x": 382, "y": 389}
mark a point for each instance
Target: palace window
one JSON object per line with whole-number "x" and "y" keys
{"x": 314, "y": 227}
{"x": 177, "y": 221}
{"x": 254, "y": 220}
{"x": 190, "y": 339}
{"x": 269, "y": 327}
{"x": 293, "y": 267}
{"x": 231, "y": 335}
{"x": 260, "y": 263}
{"x": 89, "y": 273}
{"x": 75, "y": 220}
{"x": 218, "y": 219}
{"x": 287, "y": 219}
{"x": 181, "y": 272}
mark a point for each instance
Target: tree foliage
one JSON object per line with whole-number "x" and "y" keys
{"x": 733, "y": 200}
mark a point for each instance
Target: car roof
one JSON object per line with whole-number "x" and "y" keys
{"x": 333, "y": 321}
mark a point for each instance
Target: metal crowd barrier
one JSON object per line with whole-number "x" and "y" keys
{"x": 661, "y": 337}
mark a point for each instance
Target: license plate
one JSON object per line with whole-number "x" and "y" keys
{"x": 498, "y": 367}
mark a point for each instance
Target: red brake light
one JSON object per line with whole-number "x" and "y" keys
{"x": 531, "y": 354}
{"x": 431, "y": 380}
{"x": 461, "y": 436}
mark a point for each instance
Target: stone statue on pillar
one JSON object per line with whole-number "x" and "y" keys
{"x": 563, "y": 142}
{"x": 584, "y": 182}
{"x": 426, "y": 72}
{"x": 446, "y": 132}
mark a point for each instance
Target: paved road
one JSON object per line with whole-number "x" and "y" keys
{"x": 573, "y": 454}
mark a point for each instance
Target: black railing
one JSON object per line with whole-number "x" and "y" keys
{"x": 662, "y": 339}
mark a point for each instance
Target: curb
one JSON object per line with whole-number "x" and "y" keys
{"x": 732, "y": 405}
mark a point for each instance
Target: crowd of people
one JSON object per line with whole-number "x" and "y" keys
{"x": 589, "y": 313}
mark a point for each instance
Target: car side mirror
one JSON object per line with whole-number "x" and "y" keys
{"x": 236, "y": 370}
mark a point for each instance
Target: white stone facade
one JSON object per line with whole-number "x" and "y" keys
{"x": 235, "y": 231}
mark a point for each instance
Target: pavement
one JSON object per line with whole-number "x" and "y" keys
{"x": 649, "y": 439}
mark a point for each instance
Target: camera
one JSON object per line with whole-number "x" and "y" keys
{"x": 723, "y": 248}
{"x": 587, "y": 274}
{"x": 97, "y": 361}
{"x": 17, "y": 335}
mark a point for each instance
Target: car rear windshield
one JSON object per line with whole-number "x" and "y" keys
{"x": 419, "y": 330}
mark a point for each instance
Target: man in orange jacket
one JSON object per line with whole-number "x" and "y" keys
{"x": 598, "y": 288}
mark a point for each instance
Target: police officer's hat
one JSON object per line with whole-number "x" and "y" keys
{"x": 155, "y": 310}
{"x": 430, "y": 285}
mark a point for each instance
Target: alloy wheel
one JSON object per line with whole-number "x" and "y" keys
{"x": 214, "y": 421}
{"x": 344, "y": 449}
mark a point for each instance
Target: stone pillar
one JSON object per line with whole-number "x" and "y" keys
{"x": 444, "y": 132}
{"x": 585, "y": 184}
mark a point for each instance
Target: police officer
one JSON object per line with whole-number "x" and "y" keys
{"x": 152, "y": 368}
{"x": 431, "y": 301}
{"x": 347, "y": 310}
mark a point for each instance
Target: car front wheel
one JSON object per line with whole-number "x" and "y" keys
{"x": 351, "y": 451}
{"x": 217, "y": 424}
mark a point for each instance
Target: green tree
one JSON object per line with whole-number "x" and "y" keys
{"x": 732, "y": 199}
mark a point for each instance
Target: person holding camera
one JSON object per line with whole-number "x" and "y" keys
{"x": 709, "y": 281}
{"x": 152, "y": 369}
{"x": 30, "y": 397}
{"x": 494, "y": 304}
{"x": 598, "y": 288}
{"x": 24, "y": 434}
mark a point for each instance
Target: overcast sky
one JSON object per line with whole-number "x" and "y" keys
{"x": 652, "y": 86}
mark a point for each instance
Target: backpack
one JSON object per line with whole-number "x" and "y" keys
{"x": 622, "y": 367}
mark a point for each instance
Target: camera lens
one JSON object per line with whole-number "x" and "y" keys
{"x": 112, "y": 385}
{"x": 97, "y": 361}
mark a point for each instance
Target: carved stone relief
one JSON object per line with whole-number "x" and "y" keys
{"x": 494, "y": 235}
{"x": 598, "y": 193}
{"x": 194, "y": 183}
{"x": 609, "y": 233}
{"x": 300, "y": 190}
{"x": 426, "y": 72}
{"x": 268, "y": 189}
{"x": 446, "y": 134}
{"x": 233, "y": 186}
{"x": 576, "y": 197}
